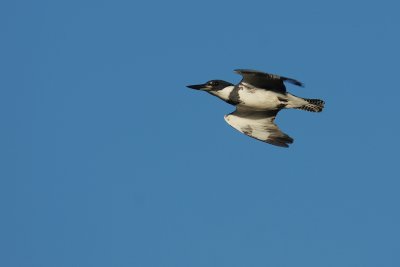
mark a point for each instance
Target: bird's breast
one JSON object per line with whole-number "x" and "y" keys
{"x": 259, "y": 99}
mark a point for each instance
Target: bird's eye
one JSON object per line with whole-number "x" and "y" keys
{"x": 213, "y": 83}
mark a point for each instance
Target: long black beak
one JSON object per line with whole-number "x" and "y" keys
{"x": 197, "y": 86}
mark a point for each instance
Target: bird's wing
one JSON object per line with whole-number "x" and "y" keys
{"x": 259, "y": 125}
{"x": 265, "y": 80}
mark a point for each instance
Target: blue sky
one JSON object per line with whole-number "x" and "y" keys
{"x": 109, "y": 160}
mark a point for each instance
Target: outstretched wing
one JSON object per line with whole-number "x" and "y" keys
{"x": 259, "y": 125}
{"x": 265, "y": 80}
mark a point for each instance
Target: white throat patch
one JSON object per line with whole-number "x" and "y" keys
{"x": 223, "y": 93}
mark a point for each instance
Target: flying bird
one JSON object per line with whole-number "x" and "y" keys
{"x": 258, "y": 98}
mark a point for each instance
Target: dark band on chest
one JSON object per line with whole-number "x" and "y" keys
{"x": 234, "y": 98}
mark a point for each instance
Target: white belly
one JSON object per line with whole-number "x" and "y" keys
{"x": 259, "y": 99}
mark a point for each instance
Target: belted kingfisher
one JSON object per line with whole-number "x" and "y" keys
{"x": 258, "y": 98}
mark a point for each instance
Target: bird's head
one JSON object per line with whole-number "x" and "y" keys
{"x": 213, "y": 85}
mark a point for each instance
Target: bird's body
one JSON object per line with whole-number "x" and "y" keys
{"x": 247, "y": 96}
{"x": 258, "y": 98}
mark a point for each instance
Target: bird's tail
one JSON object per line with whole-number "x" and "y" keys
{"x": 313, "y": 105}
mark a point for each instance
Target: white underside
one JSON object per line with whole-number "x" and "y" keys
{"x": 259, "y": 125}
{"x": 260, "y": 99}
{"x": 256, "y": 111}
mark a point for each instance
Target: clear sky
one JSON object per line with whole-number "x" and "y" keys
{"x": 107, "y": 159}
